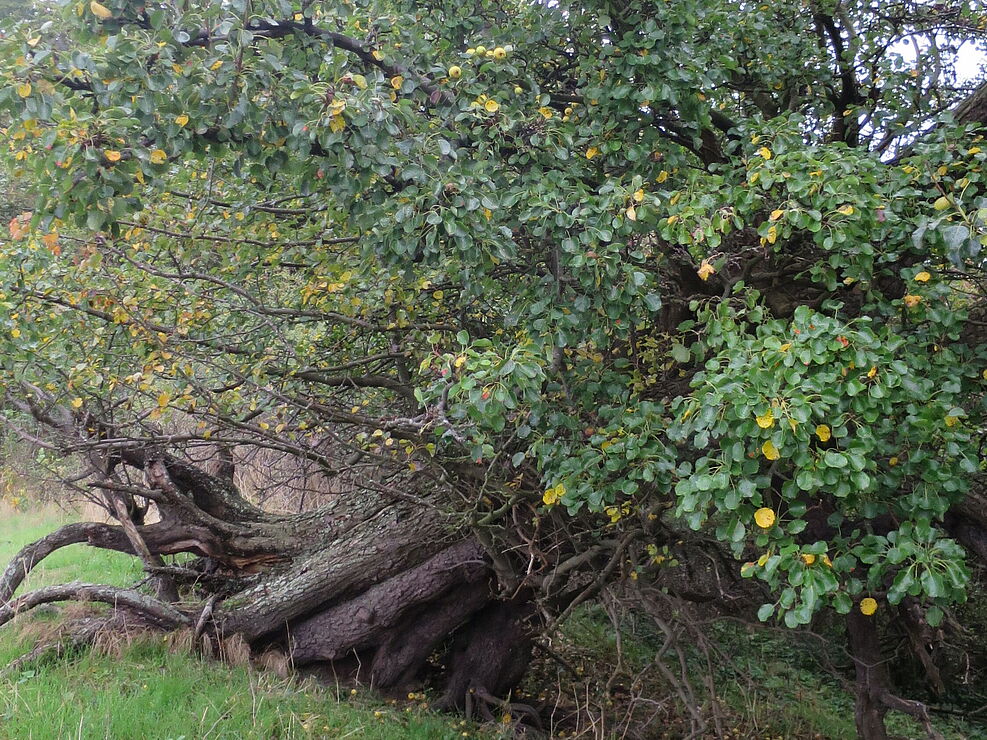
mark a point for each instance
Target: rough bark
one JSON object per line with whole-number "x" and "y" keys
{"x": 492, "y": 653}
{"x": 865, "y": 647}
{"x": 391, "y": 579}
{"x": 356, "y": 622}
{"x": 381, "y": 546}
{"x": 404, "y": 650}
{"x": 974, "y": 108}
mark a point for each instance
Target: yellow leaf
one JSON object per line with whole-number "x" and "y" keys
{"x": 912, "y": 300}
{"x": 872, "y": 372}
{"x": 491, "y": 106}
{"x": 942, "y": 203}
{"x": 763, "y": 560}
{"x": 181, "y": 120}
{"x": 764, "y": 518}
{"x": 337, "y": 124}
{"x": 951, "y": 421}
{"x": 705, "y": 270}
{"x": 552, "y": 495}
{"x": 15, "y": 333}
{"x": 216, "y": 65}
{"x": 772, "y": 234}
{"x": 158, "y": 156}
{"x": 922, "y": 277}
{"x": 100, "y": 11}
{"x": 639, "y": 195}
{"x": 808, "y": 558}
{"x": 766, "y": 420}
{"x": 34, "y": 42}
{"x": 764, "y": 152}
{"x": 770, "y": 451}
{"x": 163, "y": 400}
{"x": 360, "y": 81}
{"x": 377, "y": 55}
{"x": 112, "y": 155}
{"x": 631, "y": 213}
{"x": 785, "y": 347}
{"x": 592, "y": 152}
{"x": 893, "y": 461}
{"x": 24, "y": 89}
{"x": 546, "y": 112}
{"x": 662, "y": 176}
{"x": 776, "y": 214}
{"x": 868, "y": 606}
{"x": 397, "y": 81}
{"x": 846, "y": 210}
{"x": 76, "y": 402}
{"x": 823, "y": 432}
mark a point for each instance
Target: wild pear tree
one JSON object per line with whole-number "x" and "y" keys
{"x": 546, "y": 291}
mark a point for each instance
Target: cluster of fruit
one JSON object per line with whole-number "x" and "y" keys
{"x": 498, "y": 53}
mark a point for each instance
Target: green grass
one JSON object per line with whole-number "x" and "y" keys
{"x": 154, "y": 693}
{"x": 146, "y": 689}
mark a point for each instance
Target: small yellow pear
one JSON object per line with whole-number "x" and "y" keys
{"x": 100, "y": 11}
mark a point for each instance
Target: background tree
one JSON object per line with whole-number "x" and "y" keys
{"x": 549, "y": 293}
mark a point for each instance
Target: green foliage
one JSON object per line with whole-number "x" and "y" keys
{"x": 634, "y": 268}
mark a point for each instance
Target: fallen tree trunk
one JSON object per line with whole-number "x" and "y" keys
{"x": 391, "y": 580}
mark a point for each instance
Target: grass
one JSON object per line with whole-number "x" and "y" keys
{"x": 148, "y": 691}
{"x": 72, "y": 563}
{"x": 144, "y": 688}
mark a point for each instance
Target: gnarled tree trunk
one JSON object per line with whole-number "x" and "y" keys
{"x": 390, "y": 581}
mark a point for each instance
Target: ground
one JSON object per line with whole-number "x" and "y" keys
{"x": 772, "y": 685}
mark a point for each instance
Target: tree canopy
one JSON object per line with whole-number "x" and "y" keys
{"x": 606, "y": 275}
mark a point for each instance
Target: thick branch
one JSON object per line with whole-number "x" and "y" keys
{"x": 974, "y": 108}
{"x": 376, "y": 549}
{"x": 336, "y": 631}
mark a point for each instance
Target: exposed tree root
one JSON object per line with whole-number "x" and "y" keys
{"x": 157, "y": 612}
